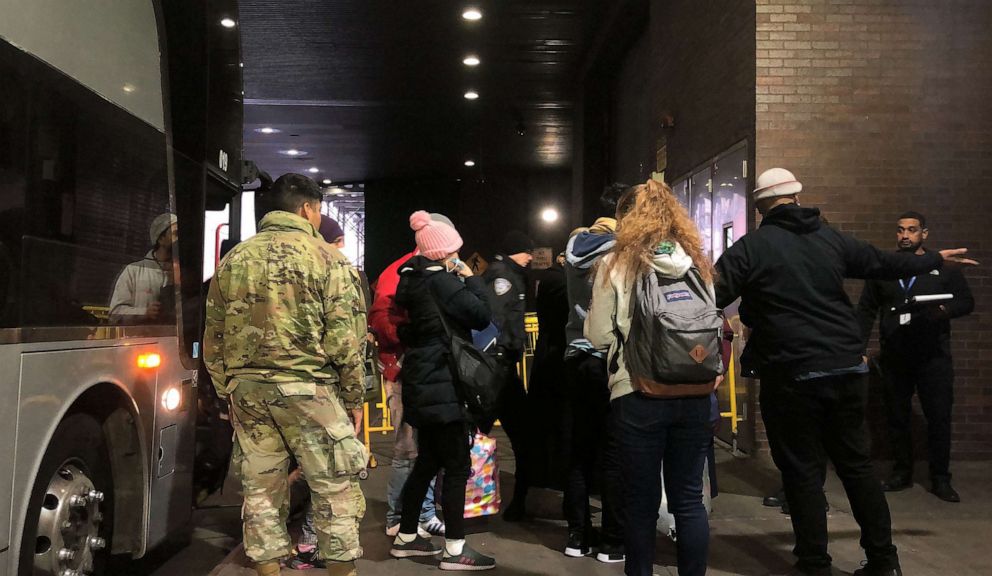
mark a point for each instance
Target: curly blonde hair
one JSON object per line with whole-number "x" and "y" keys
{"x": 648, "y": 215}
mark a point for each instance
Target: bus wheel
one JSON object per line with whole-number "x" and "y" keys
{"x": 68, "y": 523}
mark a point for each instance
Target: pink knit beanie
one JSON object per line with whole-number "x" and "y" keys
{"x": 435, "y": 240}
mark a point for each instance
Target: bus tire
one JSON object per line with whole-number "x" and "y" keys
{"x": 69, "y": 520}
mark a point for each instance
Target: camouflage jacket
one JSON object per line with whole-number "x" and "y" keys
{"x": 284, "y": 308}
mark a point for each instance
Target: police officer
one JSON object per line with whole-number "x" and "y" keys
{"x": 285, "y": 331}
{"x": 916, "y": 357}
{"x": 507, "y": 292}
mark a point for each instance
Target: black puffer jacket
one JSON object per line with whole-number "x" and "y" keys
{"x": 429, "y": 394}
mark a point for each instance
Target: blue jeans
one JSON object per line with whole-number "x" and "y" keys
{"x": 678, "y": 431}
{"x": 394, "y": 504}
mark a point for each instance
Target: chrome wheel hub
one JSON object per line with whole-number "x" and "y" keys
{"x": 68, "y": 525}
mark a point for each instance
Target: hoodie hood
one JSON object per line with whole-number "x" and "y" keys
{"x": 794, "y": 218}
{"x": 586, "y": 247}
{"x": 670, "y": 260}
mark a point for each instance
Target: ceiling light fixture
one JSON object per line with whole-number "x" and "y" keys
{"x": 327, "y": 182}
{"x": 313, "y": 170}
{"x": 228, "y": 23}
{"x": 471, "y": 95}
{"x": 470, "y": 163}
{"x": 472, "y": 14}
{"x": 128, "y": 88}
{"x": 294, "y": 152}
{"x": 549, "y": 215}
{"x": 268, "y": 130}
{"x": 471, "y": 60}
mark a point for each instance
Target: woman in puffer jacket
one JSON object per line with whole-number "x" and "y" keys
{"x": 669, "y": 422}
{"x": 431, "y": 284}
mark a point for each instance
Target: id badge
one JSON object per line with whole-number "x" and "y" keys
{"x": 904, "y": 319}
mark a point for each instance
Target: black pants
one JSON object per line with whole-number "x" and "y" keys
{"x": 933, "y": 381}
{"x": 593, "y": 448}
{"x": 444, "y": 446}
{"x": 514, "y": 417}
{"x": 808, "y": 422}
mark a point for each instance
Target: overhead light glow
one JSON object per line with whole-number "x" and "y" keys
{"x": 470, "y": 163}
{"x": 294, "y": 152}
{"x": 327, "y": 181}
{"x": 313, "y": 170}
{"x": 549, "y": 215}
{"x": 472, "y": 14}
{"x": 471, "y": 60}
{"x": 269, "y": 130}
{"x": 128, "y": 88}
{"x": 228, "y": 23}
{"x": 471, "y": 95}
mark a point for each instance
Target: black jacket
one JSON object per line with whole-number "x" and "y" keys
{"x": 507, "y": 295}
{"x": 789, "y": 274}
{"x": 429, "y": 394}
{"x": 928, "y": 333}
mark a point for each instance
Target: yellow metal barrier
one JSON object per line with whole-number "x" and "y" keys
{"x": 384, "y": 428}
{"x": 734, "y": 413}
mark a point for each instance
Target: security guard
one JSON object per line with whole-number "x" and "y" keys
{"x": 507, "y": 291}
{"x": 916, "y": 357}
{"x": 285, "y": 331}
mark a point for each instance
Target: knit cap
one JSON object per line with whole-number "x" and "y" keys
{"x": 330, "y": 230}
{"x": 435, "y": 239}
{"x": 516, "y": 242}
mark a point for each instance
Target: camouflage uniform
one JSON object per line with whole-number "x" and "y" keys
{"x": 284, "y": 339}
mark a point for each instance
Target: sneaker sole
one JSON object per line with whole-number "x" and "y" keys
{"x": 576, "y": 552}
{"x": 413, "y": 553}
{"x": 464, "y": 567}
{"x": 606, "y": 559}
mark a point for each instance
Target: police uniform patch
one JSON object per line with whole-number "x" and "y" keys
{"x": 502, "y": 286}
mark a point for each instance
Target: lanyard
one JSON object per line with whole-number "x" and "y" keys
{"x": 906, "y": 288}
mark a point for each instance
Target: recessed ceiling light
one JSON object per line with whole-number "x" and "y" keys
{"x": 471, "y": 60}
{"x": 470, "y": 163}
{"x": 294, "y": 152}
{"x": 268, "y": 130}
{"x": 326, "y": 181}
{"x": 228, "y": 23}
{"x": 472, "y": 14}
{"x": 471, "y": 95}
{"x": 549, "y": 215}
{"x": 313, "y": 170}
{"x": 128, "y": 88}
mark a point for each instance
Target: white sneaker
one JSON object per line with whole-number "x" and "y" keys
{"x": 434, "y": 526}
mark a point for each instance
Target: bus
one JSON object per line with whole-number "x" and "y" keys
{"x": 120, "y": 125}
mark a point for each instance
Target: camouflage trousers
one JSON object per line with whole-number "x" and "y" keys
{"x": 308, "y": 421}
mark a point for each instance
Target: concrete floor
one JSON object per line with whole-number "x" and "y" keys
{"x": 933, "y": 537}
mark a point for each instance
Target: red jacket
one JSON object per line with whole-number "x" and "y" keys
{"x": 384, "y": 316}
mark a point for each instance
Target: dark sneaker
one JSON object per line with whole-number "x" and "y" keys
{"x": 776, "y": 500}
{"x": 578, "y": 545}
{"x": 942, "y": 489}
{"x": 897, "y": 482}
{"x": 468, "y": 560}
{"x": 867, "y": 570}
{"x": 305, "y": 557}
{"x": 611, "y": 553}
{"x": 419, "y": 547}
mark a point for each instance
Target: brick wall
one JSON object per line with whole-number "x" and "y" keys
{"x": 881, "y": 106}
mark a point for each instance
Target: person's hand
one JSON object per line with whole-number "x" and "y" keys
{"x": 355, "y": 415}
{"x": 463, "y": 270}
{"x": 154, "y": 311}
{"x": 717, "y": 382}
{"x": 956, "y": 256}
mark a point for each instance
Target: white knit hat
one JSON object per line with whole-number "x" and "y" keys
{"x": 776, "y": 182}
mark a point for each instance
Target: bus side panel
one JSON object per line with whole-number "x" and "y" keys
{"x": 10, "y": 361}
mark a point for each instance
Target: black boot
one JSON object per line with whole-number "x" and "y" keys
{"x": 941, "y": 488}
{"x": 869, "y": 571}
{"x": 897, "y": 481}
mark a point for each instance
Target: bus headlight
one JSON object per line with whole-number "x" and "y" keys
{"x": 171, "y": 399}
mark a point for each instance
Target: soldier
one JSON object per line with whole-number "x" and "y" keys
{"x": 284, "y": 340}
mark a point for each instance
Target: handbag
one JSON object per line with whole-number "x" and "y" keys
{"x": 482, "y": 496}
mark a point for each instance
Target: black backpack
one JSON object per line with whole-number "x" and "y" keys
{"x": 478, "y": 376}
{"x": 675, "y": 331}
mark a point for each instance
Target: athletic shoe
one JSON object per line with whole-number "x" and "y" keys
{"x": 611, "y": 553}
{"x": 468, "y": 560}
{"x": 306, "y": 557}
{"x": 419, "y": 547}
{"x": 434, "y": 526}
{"x": 577, "y": 546}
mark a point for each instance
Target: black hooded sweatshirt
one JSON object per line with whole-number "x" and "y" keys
{"x": 789, "y": 274}
{"x": 429, "y": 393}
